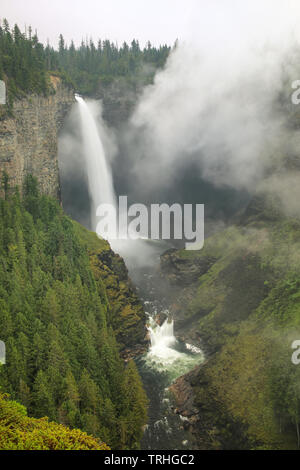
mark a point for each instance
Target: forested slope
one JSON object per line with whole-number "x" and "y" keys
{"x": 57, "y": 320}
{"x": 242, "y": 305}
{"x": 19, "y": 432}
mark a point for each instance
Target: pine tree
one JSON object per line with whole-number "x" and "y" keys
{"x": 43, "y": 401}
{"x": 135, "y": 404}
{"x": 62, "y": 360}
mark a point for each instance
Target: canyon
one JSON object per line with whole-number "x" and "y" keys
{"x": 29, "y": 137}
{"x": 221, "y": 297}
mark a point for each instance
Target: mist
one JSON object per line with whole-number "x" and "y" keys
{"x": 221, "y": 105}
{"x": 215, "y": 126}
{"x": 76, "y": 196}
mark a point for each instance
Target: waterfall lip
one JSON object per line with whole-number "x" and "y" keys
{"x": 99, "y": 173}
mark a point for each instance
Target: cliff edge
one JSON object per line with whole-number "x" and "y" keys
{"x": 29, "y": 137}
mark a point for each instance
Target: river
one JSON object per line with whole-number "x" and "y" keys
{"x": 167, "y": 357}
{"x": 166, "y": 360}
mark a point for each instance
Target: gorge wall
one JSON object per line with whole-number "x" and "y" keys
{"x": 237, "y": 299}
{"x": 29, "y": 145}
{"x": 29, "y": 136}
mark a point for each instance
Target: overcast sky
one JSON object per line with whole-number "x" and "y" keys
{"x": 160, "y": 21}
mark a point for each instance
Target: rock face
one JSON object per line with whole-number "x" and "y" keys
{"x": 28, "y": 145}
{"x": 183, "y": 393}
{"x": 237, "y": 306}
{"x": 28, "y": 138}
{"x": 183, "y": 271}
{"x": 127, "y": 313}
{"x": 119, "y": 101}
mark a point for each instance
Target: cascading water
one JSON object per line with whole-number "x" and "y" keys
{"x": 167, "y": 358}
{"x": 167, "y": 355}
{"x": 162, "y": 339}
{"x": 99, "y": 174}
{"x": 163, "y": 350}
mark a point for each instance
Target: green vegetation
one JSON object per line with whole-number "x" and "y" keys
{"x": 26, "y": 64}
{"x": 126, "y": 316}
{"x": 245, "y": 308}
{"x": 22, "y": 63}
{"x": 63, "y": 359}
{"x": 91, "y": 66}
{"x": 19, "y": 432}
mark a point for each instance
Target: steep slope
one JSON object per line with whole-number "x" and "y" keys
{"x": 126, "y": 313}
{"x": 18, "y": 432}
{"x": 59, "y": 318}
{"x": 29, "y": 135}
{"x": 239, "y": 299}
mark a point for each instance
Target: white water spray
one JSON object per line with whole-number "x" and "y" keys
{"x": 165, "y": 354}
{"x": 98, "y": 169}
{"x": 100, "y": 183}
{"x": 162, "y": 342}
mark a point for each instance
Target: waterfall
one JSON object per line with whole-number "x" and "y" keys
{"x": 162, "y": 335}
{"x": 98, "y": 170}
{"x": 162, "y": 342}
{"x": 166, "y": 353}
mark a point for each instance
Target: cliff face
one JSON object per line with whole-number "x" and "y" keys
{"x": 127, "y": 316}
{"x": 29, "y": 144}
{"x": 239, "y": 299}
{"x": 125, "y": 311}
{"x": 28, "y": 139}
{"x": 119, "y": 101}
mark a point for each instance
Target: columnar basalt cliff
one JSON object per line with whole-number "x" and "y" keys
{"x": 28, "y": 138}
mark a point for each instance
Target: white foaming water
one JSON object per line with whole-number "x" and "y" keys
{"x": 101, "y": 189}
{"x": 165, "y": 355}
{"x": 98, "y": 170}
{"x": 162, "y": 339}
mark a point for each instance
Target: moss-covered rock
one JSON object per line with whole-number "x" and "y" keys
{"x": 244, "y": 310}
{"x": 125, "y": 311}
